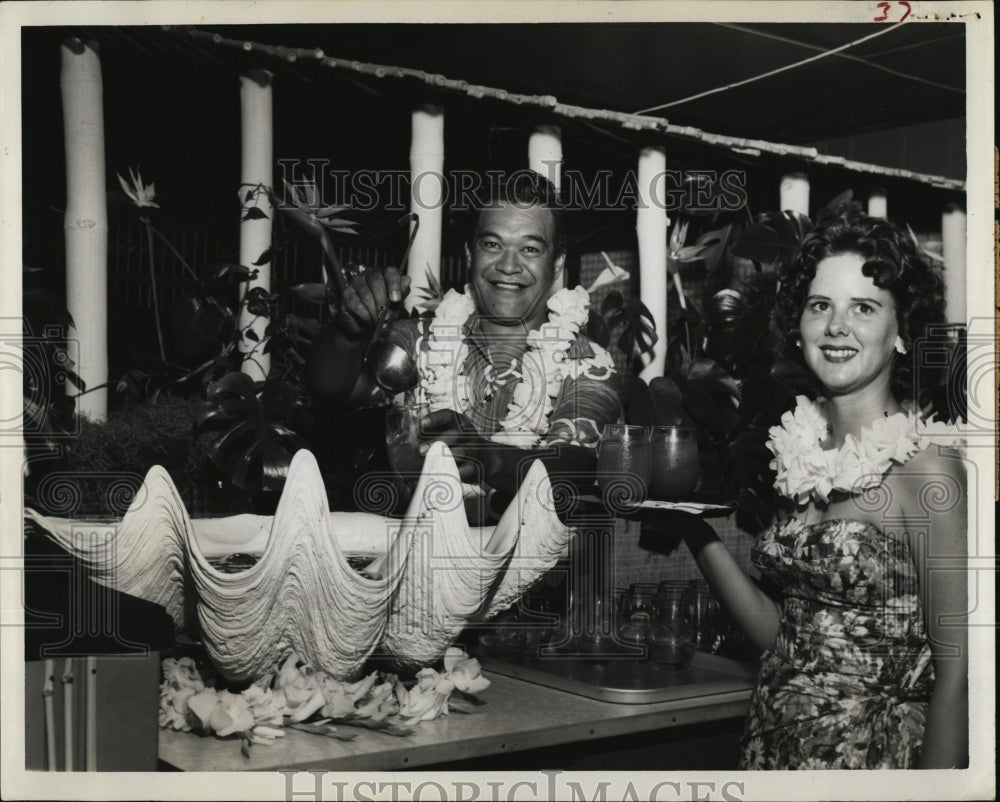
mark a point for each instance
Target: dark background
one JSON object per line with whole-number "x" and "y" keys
{"x": 172, "y": 107}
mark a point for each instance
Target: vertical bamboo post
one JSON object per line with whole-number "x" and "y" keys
{"x": 257, "y": 138}
{"x": 86, "y": 220}
{"x": 651, "y": 232}
{"x": 878, "y": 204}
{"x": 427, "y": 198}
{"x": 545, "y": 157}
{"x": 953, "y": 250}
{"x": 795, "y": 193}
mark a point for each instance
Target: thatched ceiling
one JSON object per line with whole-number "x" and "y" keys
{"x": 171, "y": 103}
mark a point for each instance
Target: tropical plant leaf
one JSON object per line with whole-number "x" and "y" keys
{"x": 264, "y": 258}
{"x": 668, "y": 401}
{"x": 748, "y": 336}
{"x": 773, "y": 238}
{"x": 253, "y": 213}
{"x": 431, "y": 295}
{"x": 638, "y": 402}
{"x": 597, "y": 329}
{"x": 837, "y": 205}
{"x": 257, "y": 441}
{"x": 714, "y": 244}
{"x": 612, "y": 302}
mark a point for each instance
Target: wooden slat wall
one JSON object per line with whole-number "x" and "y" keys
{"x": 294, "y": 262}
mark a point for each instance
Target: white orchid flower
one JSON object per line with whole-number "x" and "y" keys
{"x": 140, "y": 194}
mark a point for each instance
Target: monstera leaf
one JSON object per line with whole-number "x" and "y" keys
{"x": 773, "y": 238}
{"x": 257, "y": 438}
{"x": 639, "y": 332}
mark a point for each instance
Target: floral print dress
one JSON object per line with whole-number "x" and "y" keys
{"x": 847, "y": 682}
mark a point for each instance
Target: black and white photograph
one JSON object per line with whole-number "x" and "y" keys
{"x": 498, "y": 401}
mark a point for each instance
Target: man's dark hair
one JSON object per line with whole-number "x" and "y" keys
{"x": 523, "y": 188}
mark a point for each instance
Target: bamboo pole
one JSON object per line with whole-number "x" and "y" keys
{"x": 545, "y": 157}
{"x": 91, "y": 718}
{"x": 426, "y": 199}
{"x": 878, "y": 204}
{"x": 256, "y": 228}
{"x": 545, "y": 154}
{"x": 48, "y": 691}
{"x": 651, "y": 231}
{"x": 795, "y": 193}
{"x": 67, "y": 682}
{"x": 86, "y": 221}
{"x": 953, "y": 225}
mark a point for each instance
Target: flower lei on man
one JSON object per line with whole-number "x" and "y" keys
{"x": 806, "y": 470}
{"x": 539, "y": 373}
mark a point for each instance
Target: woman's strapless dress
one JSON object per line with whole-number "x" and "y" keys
{"x": 847, "y": 682}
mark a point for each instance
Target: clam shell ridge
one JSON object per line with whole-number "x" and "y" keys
{"x": 144, "y": 554}
{"x": 449, "y": 570}
{"x": 540, "y": 540}
{"x": 301, "y": 596}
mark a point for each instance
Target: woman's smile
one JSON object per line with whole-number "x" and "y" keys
{"x": 848, "y": 326}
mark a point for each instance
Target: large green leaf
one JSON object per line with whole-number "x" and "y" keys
{"x": 705, "y": 406}
{"x": 774, "y": 237}
{"x": 638, "y": 402}
{"x": 258, "y": 440}
{"x": 668, "y": 401}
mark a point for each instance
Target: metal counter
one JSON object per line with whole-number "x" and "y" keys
{"x": 517, "y": 715}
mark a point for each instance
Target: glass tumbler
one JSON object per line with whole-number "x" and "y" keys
{"x": 674, "y": 463}
{"x": 705, "y": 614}
{"x": 402, "y": 439}
{"x": 635, "y": 613}
{"x": 671, "y": 639}
{"x": 624, "y": 462}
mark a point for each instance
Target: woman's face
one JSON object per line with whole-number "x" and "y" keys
{"x": 848, "y": 327}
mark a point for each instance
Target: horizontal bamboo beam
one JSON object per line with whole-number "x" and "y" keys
{"x": 636, "y": 122}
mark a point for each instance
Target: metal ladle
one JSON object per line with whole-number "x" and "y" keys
{"x": 387, "y": 361}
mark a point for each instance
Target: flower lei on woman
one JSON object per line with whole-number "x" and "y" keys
{"x": 805, "y": 469}
{"x": 539, "y": 375}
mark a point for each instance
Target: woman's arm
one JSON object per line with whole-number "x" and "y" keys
{"x": 755, "y": 612}
{"x": 941, "y": 563}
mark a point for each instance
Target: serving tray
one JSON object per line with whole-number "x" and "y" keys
{"x": 629, "y": 681}
{"x": 690, "y": 507}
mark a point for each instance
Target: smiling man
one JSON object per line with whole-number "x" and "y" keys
{"x": 504, "y": 367}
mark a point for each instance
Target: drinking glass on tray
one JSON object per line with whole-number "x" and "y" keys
{"x": 674, "y": 463}
{"x": 402, "y": 440}
{"x": 624, "y": 463}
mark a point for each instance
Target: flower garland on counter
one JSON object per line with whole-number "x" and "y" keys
{"x": 297, "y": 696}
{"x": 539, "y": 376}
{"x": 806, "y": 470}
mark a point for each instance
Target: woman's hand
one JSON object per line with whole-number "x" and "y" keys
{"x": 367, "y": 296}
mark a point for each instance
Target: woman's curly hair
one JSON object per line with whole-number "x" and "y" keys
{"x": 891, "y": 259}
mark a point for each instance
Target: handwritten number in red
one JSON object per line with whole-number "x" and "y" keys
{"x": 886, "y": 6}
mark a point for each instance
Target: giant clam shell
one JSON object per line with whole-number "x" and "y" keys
{"x": 433, "y": 573}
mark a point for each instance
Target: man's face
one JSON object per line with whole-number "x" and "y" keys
{"x": 513, "y": 263}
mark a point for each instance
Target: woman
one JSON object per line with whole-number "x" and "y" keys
{"x": 865, "y": 652}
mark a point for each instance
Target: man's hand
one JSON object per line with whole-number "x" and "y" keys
{"x": 477, "y": 458}
{"x": 367, "y": 297}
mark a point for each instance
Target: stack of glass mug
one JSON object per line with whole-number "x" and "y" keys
{"x": 669, "y": 621}
{"x": 633, "y": 461}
